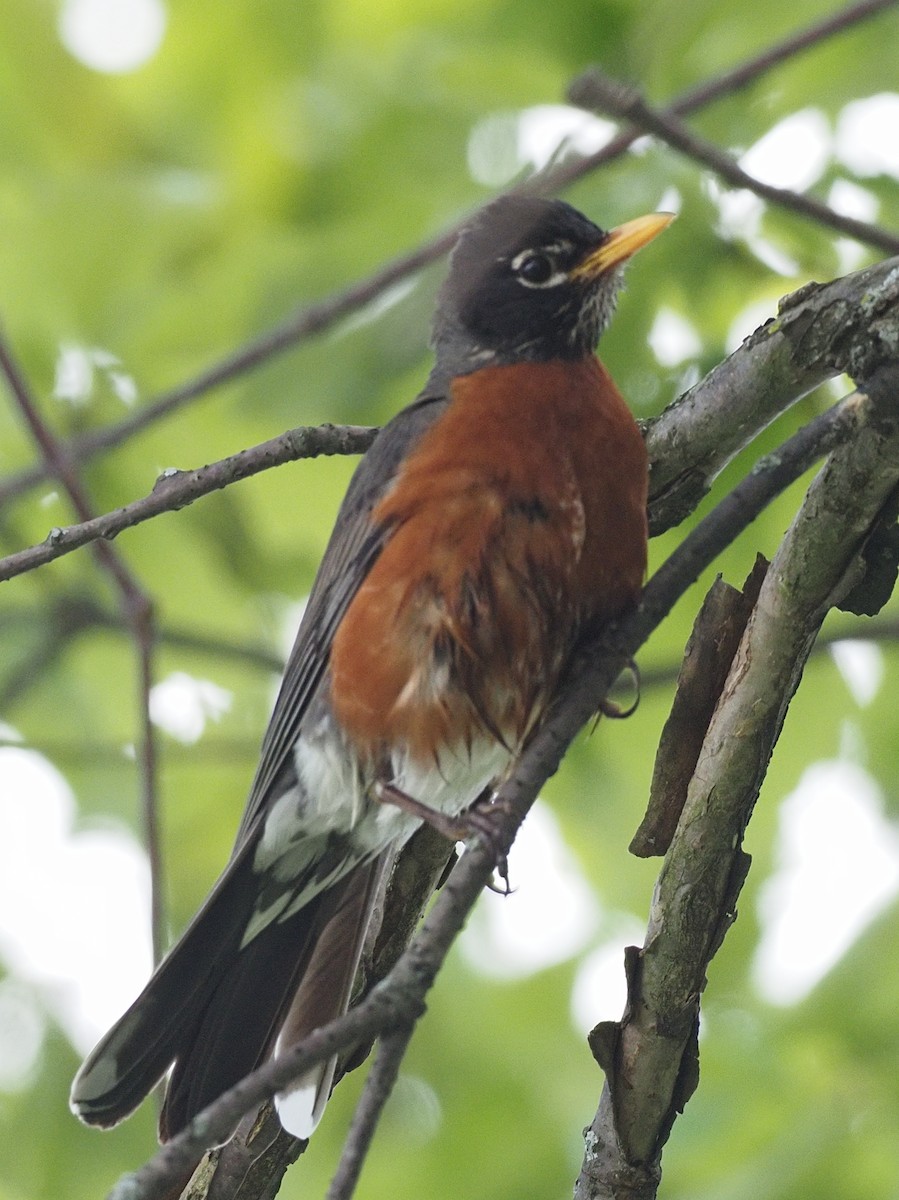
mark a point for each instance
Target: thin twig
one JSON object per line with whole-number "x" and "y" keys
{"x": 80, "y": 752}
{"x": 138, "y": 614}
{"x": 791, "y": 46}
{"x": 316, "y": 318}
{"x": 625, "y": 102}
{"x": 177, "y": 489}
{"x": 306, "y": 323}
{"x": 63, "y": 623}
{"x": 71, "y": 616}
{"x": 144, "y": 629}
{"x": 381, "y": 1079}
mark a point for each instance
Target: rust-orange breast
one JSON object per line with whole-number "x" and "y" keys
{"x": 518, "y": 520}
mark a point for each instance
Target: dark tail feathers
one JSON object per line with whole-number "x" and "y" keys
{"x": 210, "y": 1007}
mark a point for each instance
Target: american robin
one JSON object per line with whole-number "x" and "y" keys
{"x": 494, "y": 524}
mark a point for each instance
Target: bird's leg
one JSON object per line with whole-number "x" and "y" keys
{"x": 479, "y": 818}
{"x": 453, "y": 828}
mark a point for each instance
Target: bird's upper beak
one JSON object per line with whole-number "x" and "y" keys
{"x": 620, "y": 244}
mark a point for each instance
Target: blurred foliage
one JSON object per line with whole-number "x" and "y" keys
{"x": 266, "y": 156}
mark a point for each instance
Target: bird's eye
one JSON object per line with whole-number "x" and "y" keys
{"x": 537, "y": 269}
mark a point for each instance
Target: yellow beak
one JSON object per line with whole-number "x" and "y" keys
{"x": 620, "y": 244}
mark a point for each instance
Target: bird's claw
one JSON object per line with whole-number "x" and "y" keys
{"x": 484, "y": 817}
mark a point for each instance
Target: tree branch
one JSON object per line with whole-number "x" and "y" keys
{"x": 598, "y": 91}
{"x": 719, "y": 86}
{"x": 176, "y": 489}
{"x": 850, "y": 325}
{"x": 804, "y": 39}
{"x": 650, "y": 1057}
{"x": 381, "y": 1079}
{"x": 138, "y": 612}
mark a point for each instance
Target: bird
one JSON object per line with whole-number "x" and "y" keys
{"x": 495, "y": 525}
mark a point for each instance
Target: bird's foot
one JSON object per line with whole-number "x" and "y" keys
{"x": 481, "y": 818}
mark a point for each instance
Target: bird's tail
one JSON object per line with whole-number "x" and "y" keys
{"x": 216, "y": 1009}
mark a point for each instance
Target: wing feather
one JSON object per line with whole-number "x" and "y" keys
{"x": 354, "y": 546}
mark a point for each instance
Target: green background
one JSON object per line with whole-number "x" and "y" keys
{"x": 268, "y": 155}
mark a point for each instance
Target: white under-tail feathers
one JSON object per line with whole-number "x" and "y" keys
{"x": 325, "y": 994}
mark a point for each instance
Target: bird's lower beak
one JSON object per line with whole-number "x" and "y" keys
{"x": 620, "y": 244}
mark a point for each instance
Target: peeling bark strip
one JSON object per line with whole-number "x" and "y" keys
{"x": 713, "y": 642}
{"x": 653, "y": 1053}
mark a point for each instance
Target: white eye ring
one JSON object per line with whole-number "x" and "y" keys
{"x": 520, "y": 262}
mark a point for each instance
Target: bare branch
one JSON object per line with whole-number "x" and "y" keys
{"x": 70, "y": 615}
{"x": 796, "y": 43}
{"x": 625, "y": 102}
{"x": 177, "y": 489}
{"x": 850, "y": 325}
{"x": 725, "y": 84}
{"x": 64, "y": 620}
{"x": 138, "y": 612}
{"x": 378, "y": 1086}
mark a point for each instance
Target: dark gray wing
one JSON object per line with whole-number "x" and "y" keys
{"x": 351, "y": 551}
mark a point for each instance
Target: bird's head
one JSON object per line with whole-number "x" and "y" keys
{"x": 531, "y": 280}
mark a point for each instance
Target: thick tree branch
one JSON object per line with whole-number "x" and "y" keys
{"x": 650, "y": 1057}
{"x": 850, "y": 326}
